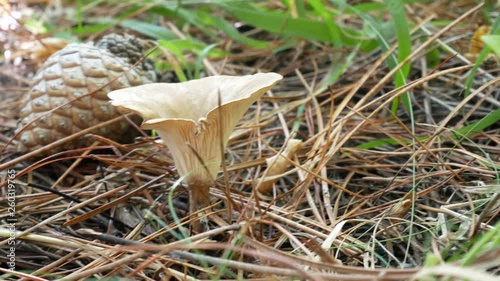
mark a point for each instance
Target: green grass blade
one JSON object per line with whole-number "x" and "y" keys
{"x": 493, "y": 42}
{"x": 283, "y": 24}
{"x": 201, "y": 56}
{"x": 387, "y": 141}
{"x": 495, "y": 28}
{"x": 149, "y": 29}
{"x": 378, "y": 30}
{"x": 198, "y": 47}
{"x": 488, "y": 241}
{"x": 177, "y": 52}
{"x": 396, "y": 9}
{"x": 479, "y": 126}
{"x": 296, "y": 7}
{"x": 334, "y": 31}
{"x": 204, "y": 20}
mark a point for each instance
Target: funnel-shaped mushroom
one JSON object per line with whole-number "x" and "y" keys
{"x": 188, "y": 118}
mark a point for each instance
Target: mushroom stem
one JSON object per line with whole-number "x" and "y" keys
{"x": 198, "y": 199}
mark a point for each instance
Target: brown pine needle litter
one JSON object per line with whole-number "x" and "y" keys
{"x": 339, "y": 172}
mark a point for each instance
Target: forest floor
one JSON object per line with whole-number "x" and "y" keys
{"x": 394, "y": 109}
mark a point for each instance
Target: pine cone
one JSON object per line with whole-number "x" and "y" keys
{"x": 74, "y": 71}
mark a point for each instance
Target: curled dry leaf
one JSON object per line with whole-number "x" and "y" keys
{"x": 276, "y": 165}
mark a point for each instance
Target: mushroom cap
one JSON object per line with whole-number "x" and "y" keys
{"x": 193, "y": 99}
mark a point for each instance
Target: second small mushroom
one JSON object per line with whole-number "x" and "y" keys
{"x": 188, "y": 118}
